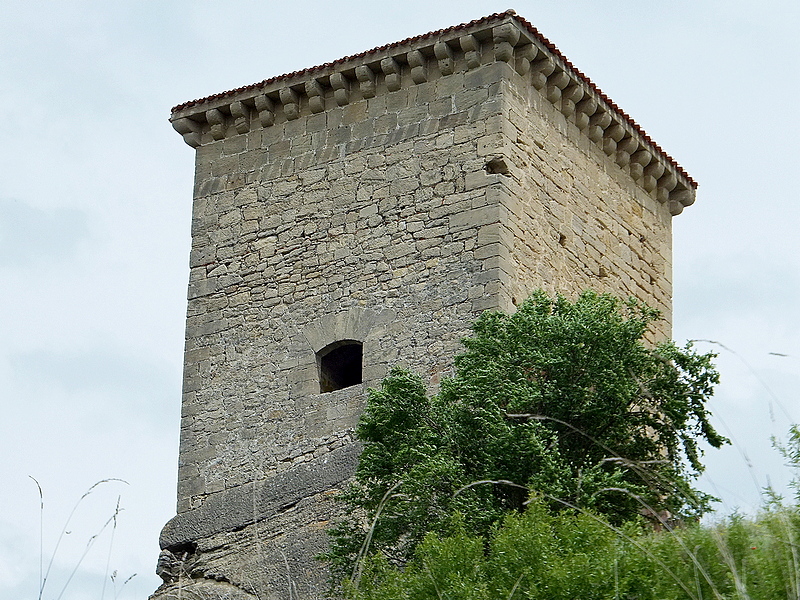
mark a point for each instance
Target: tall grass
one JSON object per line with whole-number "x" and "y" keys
{"x": 574, "y": 555}
{"x": 45, "y": 574}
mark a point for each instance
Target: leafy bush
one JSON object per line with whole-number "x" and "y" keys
{"x": 541, "y": 555}
{"x": 564, "y": 399}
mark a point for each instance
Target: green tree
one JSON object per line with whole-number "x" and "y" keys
{"x": 565, "y": 399}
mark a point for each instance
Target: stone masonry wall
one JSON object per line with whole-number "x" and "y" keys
{"x": 456, "y": 177}
{"x": 579, "y": 220}
{"x": 380, "y": 207}
{"x": 368, "y": 222}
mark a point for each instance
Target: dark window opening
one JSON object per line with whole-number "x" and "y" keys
{"x": 339, "y": 365}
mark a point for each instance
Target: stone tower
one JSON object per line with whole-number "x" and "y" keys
{"x": 360, "y": 214}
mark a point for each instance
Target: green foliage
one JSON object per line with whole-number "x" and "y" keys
{"x": 564, "y": 399}
{"x": 541, "y": 555}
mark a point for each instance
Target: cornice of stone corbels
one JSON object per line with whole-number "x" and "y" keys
{"x": 503, "y": 37}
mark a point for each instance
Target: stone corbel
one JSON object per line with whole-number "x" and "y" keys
{"x": 555, "y": 83}
{"x": 291, "y": 103}
{"x": 680, "y": 198}
{"x": 505, "y": 37}
{"x": 471, "y": 49}
{"x": 525, "y": 56}
{"x": 444, "y": 55}
{"x": 666, "y": 184}
{"x": 241, "y": 117}
{"x": 366, "y": 81}
{"x": 652, "y": 172}
{"x": 685, "y": 197}
{"x": 316, "y": 96}
{"x": 613, "y": 134}
{"x": 542, "y": 69}
{"x": 341, "y": 89}
{"x": 627, "y": 146}
{"x": 571, "y": 95}
{"x": 419, "y": 72}
{"x": 597, "y": 125}
{"x": 584, "y": 111}
{"x": 391, "y": 72}
{"x": 189, "y": 129}
{"x": 639, "y": 160}
{"x": 266, "y": 110}
{"x": 216, "y": 119}
{"x": 675, "y": 208}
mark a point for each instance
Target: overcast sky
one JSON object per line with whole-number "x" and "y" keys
{"x": 95, "y": 198}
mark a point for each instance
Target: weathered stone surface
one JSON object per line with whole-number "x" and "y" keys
{"x": 261, "y": 500}
{"x": 387, "y": 201}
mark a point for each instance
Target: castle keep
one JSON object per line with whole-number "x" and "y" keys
{"x": 358, "y": 215}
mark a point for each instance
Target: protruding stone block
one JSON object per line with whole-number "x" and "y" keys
{"x": 189, "y": 129}
{"x": 366, "y": 81}
{"x": 216, "y": 119}
{"x": 505, "y": 38}
{"x": 684, "y": 196}
{"x": 291, "y": 103}
{"x": 668, "y": 181}
{"x": 629, "y": 144}
{"x": 341, "y": 89}
{"x": 266, "y": 110}
{"x": 583, "y": 112}
{"x": 598, "y": 123}
{"x": 419, "y": 72}
{"x": 525, "y": 56}
{"x": 316, "y": 96}
{"x": 471, "y": 48}
{"x": 444, "y": 54}
{"x": 622, "y": 158}
{"x": 241, "y": 117}
{"x": 615, "y": 131}
{"x": 675, "y": 208}
{"x": 572, "y": 94}
{"x": 654, "y": 169}
{"x": 555, "y": 84}
{"x": 639, "y": 160}
{"x": 542, "y": 69}
{"x": 391, "y": 73}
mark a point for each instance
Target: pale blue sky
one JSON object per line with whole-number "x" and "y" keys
{"x": 95, "y": 197}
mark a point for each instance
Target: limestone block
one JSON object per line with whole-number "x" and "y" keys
{"x": 189, "y": 129}
{"x": 444, "y": 55}
{"x": 572, "y": 94}
{"x": 525, "y": 55}
{"x": 316, "y": 96}
{"x": 615, "y": 131}
{"x": 642, "y": 158}
{"x": 391, "y": 73}
{"x": 668, "y": 181}
{"x": 505, "y": 37}
{"x": 341, "y": 88}
{"x": 471, "y": 49}
{"x": 216, "y": 119}
{"x": 265, "y": 108}
{"x": 541, "y": 70}
{"x": 291, "y": 103}
{"x": 366, "y": 81}
{"x": 419, "y": 71}
{"x": 684, "y": 196}
{"x": 241, "y": 117}
{"x": 556, "y": 82}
